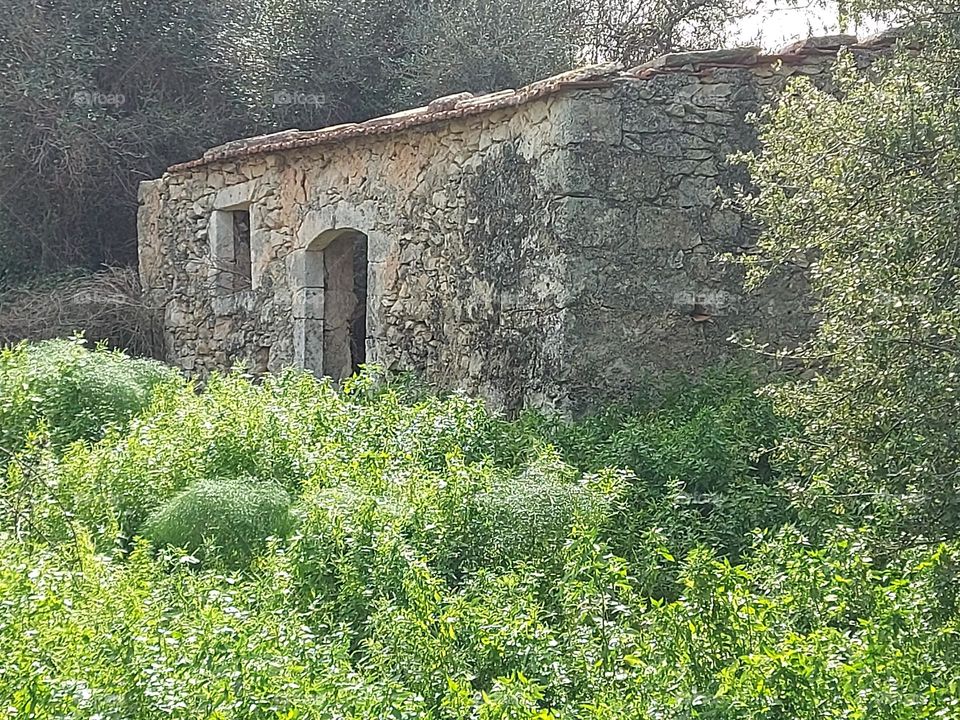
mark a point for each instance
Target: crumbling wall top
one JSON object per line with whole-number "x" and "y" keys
{"x": 466, "y": 104}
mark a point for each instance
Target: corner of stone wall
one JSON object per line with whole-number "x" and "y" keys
{"x": 638, "y": 177}
{"x": 149, "y": 243}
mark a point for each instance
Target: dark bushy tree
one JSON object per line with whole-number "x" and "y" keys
{"x": 634, "y": 31}
{"x": 310, "y": 63}
{"x": 483, "y": 45}
{"x": 95, "y": 97}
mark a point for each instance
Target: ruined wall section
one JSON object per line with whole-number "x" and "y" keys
{"x": 645, "y": 207}
{"x": 207, "y": 327}
{"x": 466, "y": 278}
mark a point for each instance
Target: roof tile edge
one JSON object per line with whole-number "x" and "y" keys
{"x": 460, "y": 105}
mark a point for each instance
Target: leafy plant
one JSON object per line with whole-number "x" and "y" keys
{"x": 529, "y": 517}
{"x": 223, "y": 520}
{"x": 382, "y": 551}
{"x": 78, "y": 394}
{"x": 862, "y": 184}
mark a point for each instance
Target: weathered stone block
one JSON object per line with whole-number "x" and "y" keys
{"x": 587, "y": 118}
{"x": 235, "y": 196}
{"x": 308, "y": 303}
{"x": 666, "y": 228}
{"x": 587, "y": 222}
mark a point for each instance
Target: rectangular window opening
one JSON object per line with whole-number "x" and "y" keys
{"x": 242, "y": 266}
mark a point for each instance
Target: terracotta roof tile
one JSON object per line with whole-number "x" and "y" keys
{"x": 448, "y": 102}
{"x": 826, "y": 43}
{"x": 696, "y": 58}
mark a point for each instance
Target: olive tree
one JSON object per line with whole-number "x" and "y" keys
{"x": 94, "y": 97}
{"x": 864, "y": 182}
{"x": 483, "y": 45}
{"x": 633, "y": 31}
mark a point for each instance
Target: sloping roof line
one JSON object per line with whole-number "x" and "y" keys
{"x": 465, "y": 104}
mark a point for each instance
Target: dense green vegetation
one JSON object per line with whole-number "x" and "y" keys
{"x": 281, "y": 549}
{"x": 864, "y": 185}
{"x": 70, "y": 392}
{"x": 739, "y": 546}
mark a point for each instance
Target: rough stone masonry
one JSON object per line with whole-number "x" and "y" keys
{"x": 549, "y": 246}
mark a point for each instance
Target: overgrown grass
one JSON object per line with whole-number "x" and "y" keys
{"x": 283, "y": 550}
{"x": 74, "y": 393}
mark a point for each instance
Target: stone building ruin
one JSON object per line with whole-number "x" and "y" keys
{"x": 548, "y": 246}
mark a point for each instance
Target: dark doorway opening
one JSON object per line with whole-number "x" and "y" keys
{"x": 241, "y": 250}
{"x": 358, "y": 323}
{"x": 335, "y": 337}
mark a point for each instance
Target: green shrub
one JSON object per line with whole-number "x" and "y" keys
{"x": 75, "y": 392}
{"x": 229, "y": 519}
{"x": 290, "y": 427}
{"x": 334, "y": 551}
{"x": 698, "y": 455}
{"x": 815, "y": 632}
{"x": 504, "y": 627}
{"x": 141, "y": 639}
{"x": 233, "y": 429}
{"x": 529, "y": 517}
{"x": 857, "y": 179}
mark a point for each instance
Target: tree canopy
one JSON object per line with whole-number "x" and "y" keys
{"x": 96, "y": 96}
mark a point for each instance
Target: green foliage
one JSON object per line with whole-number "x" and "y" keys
{"x": 77, "y": 393}
{"x": 864, "y": 183}
{"x": 633, "y": 32}
{"x": 380, "y": 551}
{"x": 95, "y": 97}
{"x": 698, "y": 456}
{"x": 529, "y": 517}
{"x": 229, "y": 520}
{"x": 139, "y": 638}
{"x": 477, "y": 45}
{"x": 290, "y": 428}
{"x": 233, "y": 430}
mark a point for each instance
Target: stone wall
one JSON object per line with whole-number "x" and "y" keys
{"x": 551, "y": 253}
{"x": 464, "y": 278}
{"x": 646, "y": 211}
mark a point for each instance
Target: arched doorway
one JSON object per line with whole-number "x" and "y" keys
{"x": 334, "y": 325}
